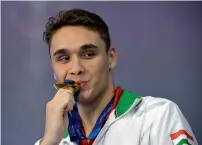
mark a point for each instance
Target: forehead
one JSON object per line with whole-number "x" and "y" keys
{"x": 73, "y": 37}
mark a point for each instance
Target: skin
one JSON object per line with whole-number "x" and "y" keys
{"x": 79, "y": 54}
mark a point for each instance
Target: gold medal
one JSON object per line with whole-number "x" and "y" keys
{"x": 74, "y": 87}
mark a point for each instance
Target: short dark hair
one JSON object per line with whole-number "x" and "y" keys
{"x": 77, "y": 17}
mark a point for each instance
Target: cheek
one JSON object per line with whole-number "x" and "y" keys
{"x": 98, "y": 68}
{"x": 59, "y": 72}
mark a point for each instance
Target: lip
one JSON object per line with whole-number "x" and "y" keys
{"x": 81, "y": 83}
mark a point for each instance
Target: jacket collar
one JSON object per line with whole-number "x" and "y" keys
{"x": 127, "y": 100}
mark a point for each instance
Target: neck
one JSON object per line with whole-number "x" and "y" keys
{"x": 89, "y": 113}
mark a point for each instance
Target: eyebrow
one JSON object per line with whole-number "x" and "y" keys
{"x": 88, "y": 46}
{"x": 83, "y": 47}
{"x": 60, "y": 51}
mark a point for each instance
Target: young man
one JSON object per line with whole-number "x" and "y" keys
{"x": 101, "y": 114}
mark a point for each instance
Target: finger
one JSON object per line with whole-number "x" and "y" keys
{"x": 63, "y": 92}
{"x": 64, "y": 103}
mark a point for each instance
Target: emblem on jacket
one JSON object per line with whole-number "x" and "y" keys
{"x": 181, "y": 138}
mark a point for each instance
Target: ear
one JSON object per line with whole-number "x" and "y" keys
{"x": 112, "y": 55}
{"x": 55, "y": 77}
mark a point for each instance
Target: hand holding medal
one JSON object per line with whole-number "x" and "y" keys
{"x": 58, "y": 111}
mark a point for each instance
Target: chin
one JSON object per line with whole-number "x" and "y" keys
{"x": 85, "y": 96}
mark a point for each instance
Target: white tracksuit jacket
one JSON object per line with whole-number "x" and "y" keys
{"x": 143, "y": 121}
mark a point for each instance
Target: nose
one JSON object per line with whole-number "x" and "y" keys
{"x": 77, "y": 67}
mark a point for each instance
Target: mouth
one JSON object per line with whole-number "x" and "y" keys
{"x": 82, "y": 84}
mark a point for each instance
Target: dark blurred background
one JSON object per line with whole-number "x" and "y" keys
{"x": 159, "y": 46}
